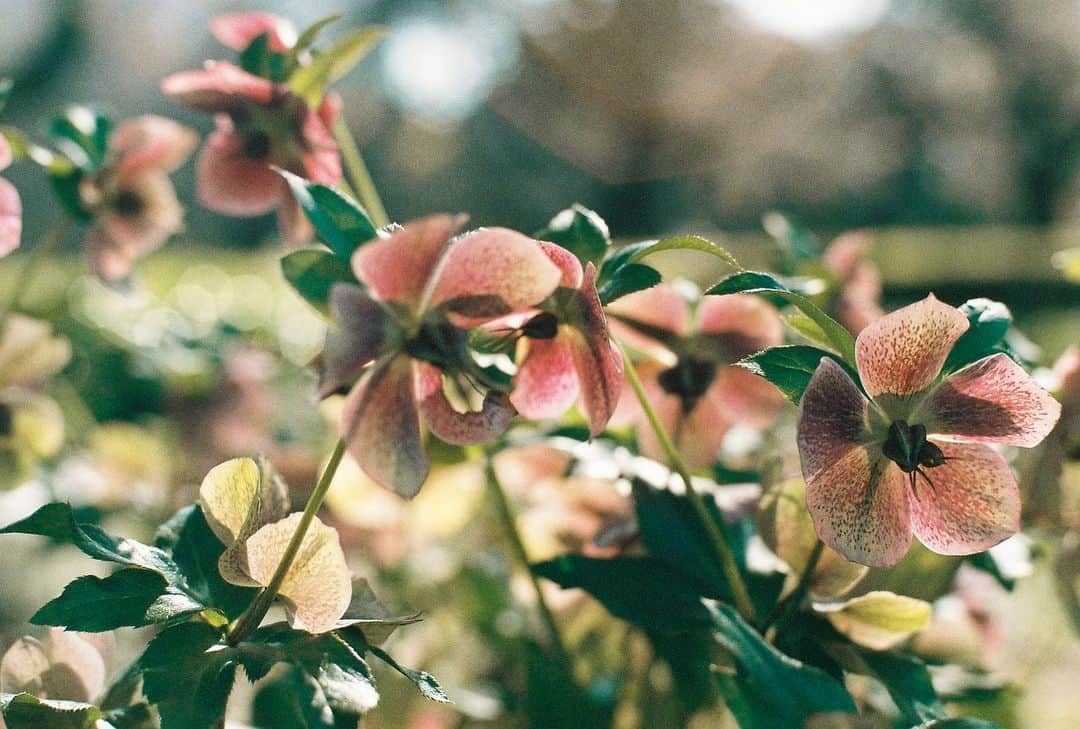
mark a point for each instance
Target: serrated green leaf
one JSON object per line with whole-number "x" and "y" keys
{"x": 789, "y": 367}
{"x": 313, "y": 273}
{"x": 753, "y": 282}
{"x": 188, "y": 673}
{"x": 908, "y": 683}
{"x": 630, "y": 278}
{"x": 84, "y": 135}
{"x": 423, "y": 680}
{"x": 806, "y": 327}
{"x": 685, "y": 243}
{"x": 580, "y": 231}
{"x": 769, "y": 689}
{"x": 642, "y": 590}
{"x": 349, "y": 687}
{"x": 988, "y": 322}
{"x": 339, "y": 221}
{"x": 123, "y": 599}
{"x": 310, "y": 82}
{"x": 25, "y": 711}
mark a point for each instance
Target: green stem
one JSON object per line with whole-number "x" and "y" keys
{"x": 357, "y": 172}
{"x": 784, "y": 609}
{"x": 719, "y": 542}
{"x": 506, "y": 516}
{"x": 34, "y": 258}
{"x": 250, "y": 620}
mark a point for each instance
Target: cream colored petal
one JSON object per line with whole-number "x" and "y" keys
{"x": 241, "y": 495}
{"x": 28, "y": 351}
{"x": 77, "y": 671}
{"x": 878, "y": 620}
{"x": 37, "y": 421}
{"x": 22, "y": 667}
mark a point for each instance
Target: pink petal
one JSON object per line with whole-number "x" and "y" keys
{"x": 230, "y": 183}
{"x": 546, "y": 384}
{"x": 846, "y": 252}
{"x": 150, "y": 143}
{"x": 330, "y": 109}
{"x": 597, "y": 360}
{"x": 219, "y": 87}
{"x": 859, "y": 302}
{"x": 108, "y": 259}
{"x": 455, "y": 427}
{"x": 990, "y": 401}
{"x": 321, "y": 161}
{"x": 296, "y": 229}
{"x": 381, "y": 425}
{"x": 10, "y": 218}
{"x": 745, "y": 398}
{"x": 739, "y": 324}
{"x": 398, "y": 268}
{"x": 660, "y": 306}
{"x": 974, "y": 502}
{"x": 668, "y": 409}
{"x": 860, "y": 508}
{"x": 567, "y": 262}
{"x": 901, "y": 353}
{"x": 355, "y": 341}
{"x": 833, "y": 418}
{"x": 492, "y": 272}
{"x": 700, "y": 433}
{"x": 238, "y": 30}
{"x": 5, "y": 153}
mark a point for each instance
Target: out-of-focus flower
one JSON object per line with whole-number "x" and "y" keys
{"x": 967, "y": 626}
{"x": 10, "y": 206}
{"x": 239, "y": 30}
{"x": 690, "y": 382}
{"x": 130, "y": 198}
{"x": 245, "y": 504}
{"x": 857, "y": 302}
{"x": 874, "y": 476}
{"x": 260, "y": 125}
{"x": 567, "y": 351}
{"x": 65, "y": 666}
{"x": 422, "y": 285}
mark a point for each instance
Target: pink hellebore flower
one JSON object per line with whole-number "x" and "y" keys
{"x": 691, "y": 383}
{"x": 239, "y": 30}
{"x": 131, "y": 199}
{"x": 260, "y": 125}
{"x": 911, "y": 458}
{"x": 404, "y": 331}
{"x": 10, "y": 206}
{"x": 567, "y": 351}
{"x": 859, "y": 293}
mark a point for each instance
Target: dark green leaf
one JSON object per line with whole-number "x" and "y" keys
{"x": 553, "y": 698}
{"x": 642, "y": 590}
{"x": 690, "y": 657}
{"x": 908, "y": 682}
{"x": 312, "y": 700}
{"x": 580, "y": 231}
{"x": 795, "y": 239}
{"x": 989, "y": 321}
{"x": 789, "y": 367}
{"x": 349, "y": 687}
{"x": 258, "y": 60}
{"x": 630, "y": 278}
{"x": 313, "y": 273}
{"x": 310, "y": 82}
{"x": 25, "y": 711}
{"x": 276, "y": 704}
{"x": 65, "y": 185}
{"x": 752, "y": 282}
{"x": 423, "y": 680}
{"x": 84, "y": 136}
{"x": 367, "y": 614}
{"x": 188, "y": 673}
{"x": 123, "y": 599}
{"x": 138, "y": 716}
{"x": 6, "y": 85}
{"x": 769, "y": 689}
{"x": 339, "y": 221}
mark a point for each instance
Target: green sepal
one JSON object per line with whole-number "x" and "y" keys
{"x": 988, "y": 321}
{"x": 83, "y": 135}
{"x": 258, "y": 60}
{"x": 628, "y": 279}
{"x": 580, "y": 231}
{"x": 790, "y": 367}
{"x": 313, "y": 272}
{"x": 340, "y": 222}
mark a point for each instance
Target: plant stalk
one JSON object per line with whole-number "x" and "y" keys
{"x": 714, "y": 531}
{"x": 252, "y": 617}
{"x": 357, "y": 172}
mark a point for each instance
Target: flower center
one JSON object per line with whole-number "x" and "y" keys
{"x": 907, "y": 446}
{"x": 542, "y": 326}
{"x": 128, "y": 204}
{"x": 437, "y": 343}
{"x": 689, "y": 379}
{"x": 256, "y": 145}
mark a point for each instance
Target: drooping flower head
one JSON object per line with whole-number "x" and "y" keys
{"x": 260, "y": 124}
{"x": 696, "y": 392}
{"x": 566, "y": 351}
{"x": 405, "y": 331}
{"x": 130, "y": 199}
{"x": 912, "y": 457}
{"x": 10, "y": 206}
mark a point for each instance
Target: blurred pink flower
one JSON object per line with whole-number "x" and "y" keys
{"x": 260, "y": 125}
{"x": 403, "y": 332}
{"x": 690, "y": 382}
{"x": 239, "y": 30}
{"x": 10, "y": 206}
{"x": 874, "y": 476}
{"x": 858, "y": 298}
{"x": 130, "y": 199}
{"x": 568, "y": 352}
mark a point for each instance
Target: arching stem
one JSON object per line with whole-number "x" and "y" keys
{"x": 359, "y": 178}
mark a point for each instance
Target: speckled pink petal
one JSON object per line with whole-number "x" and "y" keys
{"x": 10, "y": 218}
{"x": 398, "y": 268}
{"x": 660, "y": 306}
{"x": 860, "y": 508}
{"x": 902, "y": 352}
{"x": 974, "y": 502}
{"x": 833, "y": 418}
{"x": 597, "y": 360}
{"x": 381, "y": 425}
{"x": 546, "y": 384}
{"x": 745, "y": 398}
{"x": 149, "y": 143}
{"x": 354, "y": 341}
{"x": 745, "y": 322}
{"x": 491, "y": 272}
{"x": 218, "y": 87}
{"x": 321, "y": 161}
{"x": 460, "y": 428}
{"x": 230, "y": 183}
{"x": 238, "y": 30}
{"x": 567, "y": 262}
{"x": 990, "y": 401}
